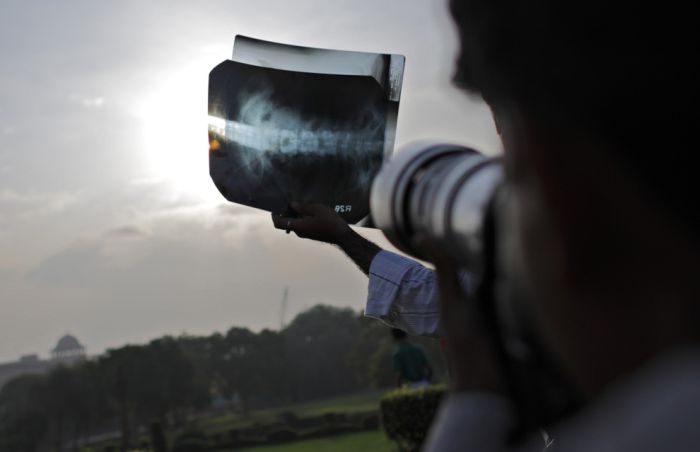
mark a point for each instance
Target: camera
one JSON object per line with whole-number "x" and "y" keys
{"x": 440, "y": 191}
{"x": 459, "y": 199}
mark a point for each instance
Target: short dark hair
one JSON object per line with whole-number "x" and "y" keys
{"x": 619, "y": 73}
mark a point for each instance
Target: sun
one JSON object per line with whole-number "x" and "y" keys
{"x": 175, "y": 132}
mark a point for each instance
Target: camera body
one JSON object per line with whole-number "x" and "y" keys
{"x": 459, "y": 199}
{"x": 440, "y": 191}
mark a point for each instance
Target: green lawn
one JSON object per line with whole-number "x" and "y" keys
{"x": 357, "y": 403}
{"x": 364, "y": 441}
{"x": 348, "y": 404}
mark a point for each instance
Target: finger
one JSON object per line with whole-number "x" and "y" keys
{"x": 302, "y": 209}
{"x": 279, "y": 221}
{"x": 289, "y": 224}
{"x": 446, "y": 272}
{"x": 300, "y": 225}
{"x": 433, "y": 252}
{"x": 451, "y": 292}
{"x": 311, "y": 210}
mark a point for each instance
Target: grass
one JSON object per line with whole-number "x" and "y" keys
{"x": 364, "y": 441}
{"x": 356, "y": 403}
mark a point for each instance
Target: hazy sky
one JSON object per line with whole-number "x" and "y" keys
{"x": 110, "y": 227}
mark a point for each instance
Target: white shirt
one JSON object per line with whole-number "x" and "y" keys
{"x": 404, "y": 294}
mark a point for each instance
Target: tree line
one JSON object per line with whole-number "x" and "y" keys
{"x": 325, "y": 351}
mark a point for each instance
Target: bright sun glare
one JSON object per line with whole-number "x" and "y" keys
{"x": 175, "y": 132}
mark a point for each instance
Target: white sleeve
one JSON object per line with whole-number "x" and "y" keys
{"x": 404, "y": 294}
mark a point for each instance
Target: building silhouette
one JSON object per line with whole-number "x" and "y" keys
{"x": 68, "y": 351}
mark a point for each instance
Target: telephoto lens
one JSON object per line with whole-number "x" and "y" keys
{"x": 439, "y": 191}
{"x": 458, "y": 198}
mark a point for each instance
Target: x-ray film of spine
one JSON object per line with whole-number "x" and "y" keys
{"x": 298, "y": 124}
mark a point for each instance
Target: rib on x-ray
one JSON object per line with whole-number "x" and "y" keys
{"x": 297, "y": 124}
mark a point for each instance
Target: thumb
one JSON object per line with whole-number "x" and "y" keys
{"x": 434, "y": 253}
{"x": 446, "y": 272}
{"x": 311, "y": 210}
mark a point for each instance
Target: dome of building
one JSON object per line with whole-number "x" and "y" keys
{"x": 68, "y": 348}
{"x": 67, "y": 342}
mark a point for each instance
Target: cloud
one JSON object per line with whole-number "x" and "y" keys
{"x": 232, "y": 210}
{"x": 185, "y": 274}
{"x": 127, "y": 232}
{"x": 92, "y": 243}
{"x": 22, "y": 205}
{"x": 92, "y": 102}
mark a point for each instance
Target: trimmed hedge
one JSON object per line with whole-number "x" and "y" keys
{"x": 406, "y": 414}
{"x": 287, "y": 427}
{"x": 191, "y": 441}
{"x": 281, "y": 435}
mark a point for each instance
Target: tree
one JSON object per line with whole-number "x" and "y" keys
{"x": 153, "y": 382}
{"x": 325, "y": 351}
{"x": 24, "y": 425}
{"x": 317, "y": 344}
{"x": 233, "y": 365}
{"x": 370, "y": 356}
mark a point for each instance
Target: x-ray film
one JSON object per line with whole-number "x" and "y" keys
{"x": 298, "y": 124}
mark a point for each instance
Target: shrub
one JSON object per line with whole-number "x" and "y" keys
{"x": 364, "y": 420}
{"x": 331, "y": 418}
{"x": 191, "y": 441}
{"x": 288, "y": 417}
{"x": 406, "y": 414}
{"x": 158, "y": 438}
{"x": 326, "y": 431}
{"x": 281, "y": 435}
{"x": 371, "y": 421}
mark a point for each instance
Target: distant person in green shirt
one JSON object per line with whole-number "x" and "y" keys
{"x": 410, "y": 363}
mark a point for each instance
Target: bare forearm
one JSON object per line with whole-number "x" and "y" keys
{"x": 321, "y": 223}
{"x": 358, "y": 248}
